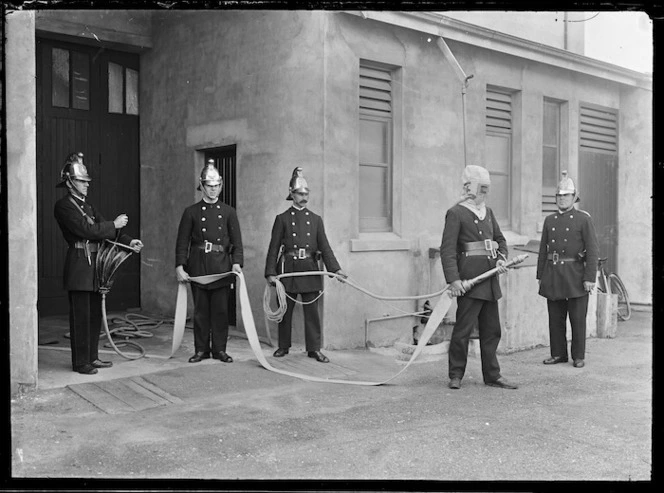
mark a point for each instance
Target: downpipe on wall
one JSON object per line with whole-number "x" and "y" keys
{"x": 464, "y": 79}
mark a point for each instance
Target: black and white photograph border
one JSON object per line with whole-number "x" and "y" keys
{"x": 399, "y": 118}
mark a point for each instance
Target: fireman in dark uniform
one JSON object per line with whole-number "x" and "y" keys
{"x": 83, "y": 229}
{"x": 209, "y": 241}
{"x": 302, "y": 235}
{"x": 473, "y": 244}
{"x": 566, "y": 270}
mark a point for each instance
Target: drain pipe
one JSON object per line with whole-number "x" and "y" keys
{"x": 461, "y": 75}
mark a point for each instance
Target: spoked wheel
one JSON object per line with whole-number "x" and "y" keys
{"x": 617, "y": 287}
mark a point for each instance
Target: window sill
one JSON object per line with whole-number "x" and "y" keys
{"x": 372, "y": 242}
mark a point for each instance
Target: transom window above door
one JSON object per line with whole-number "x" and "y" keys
{"x": 122, "y": 89}
{"x": 71, "y": 79}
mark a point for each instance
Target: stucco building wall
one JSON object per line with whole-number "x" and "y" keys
{"x": 288, "y": 96}
{"x": 255, "y": 82}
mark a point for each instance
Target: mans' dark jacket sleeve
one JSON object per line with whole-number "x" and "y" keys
{"x": 183, "y": 238}
{"x": 331, "y": 263}
{"x": 448, "y": 247}
{"x": 235, "y": 235}
{"x": 273, "y": 249}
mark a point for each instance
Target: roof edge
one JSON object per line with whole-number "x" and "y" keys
{"x": 472, "y": 34}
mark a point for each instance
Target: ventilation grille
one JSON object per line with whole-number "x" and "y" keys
{"x": 599, "y": 129}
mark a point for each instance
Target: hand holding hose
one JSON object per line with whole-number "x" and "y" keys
{"x": 121, "y": 221}
{"x": 181, "y": 274}
{"x": 456, "y": 289}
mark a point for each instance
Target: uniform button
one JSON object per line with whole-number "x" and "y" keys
{"x": 307, "y": 246}
{"x": 476, "y": 221}
{"x": 203, "y": 219}
{"x": 553, "y": 241}
{"x": 294, "y": 234}
{"x": 292, "y": 213}
{"x": 553, "y": 229}
{"x": 219, "y": 216}
{"x": 294, "y": 246}
{"x": 555, "y": 217}
{"x": 308, "y": 234}
{"x": 566, "y": 229}
{"x": 204, "y": 230}
{"x": 218, "y": 206}
{"x": 294, "y": 258}
{"x": 565, "y": 239}
{"x": 293, "y": 224}
{"x": 308, "y": 222}
{"x": 562, "y": 261}
{"x": 480, "y": 232}
{"x": 203, "y": 207}
{"x": 571, "y": 217}
{"x": 306, "y": 213}
{"x": 219, "y": 227}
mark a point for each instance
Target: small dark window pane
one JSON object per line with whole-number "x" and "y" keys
{"x": 131, "y": 102}
{"x": 551, "y": 124}
{"x": 115, "y": 80}
{"x": 60, "y": 83}
{"x": 550, "y": 167}
{"x": 81, "y": 81}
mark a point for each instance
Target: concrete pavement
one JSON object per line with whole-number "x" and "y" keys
{"x": 240, "y": 421}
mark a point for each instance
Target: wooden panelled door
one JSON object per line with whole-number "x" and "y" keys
{"x": 87, "y": 101}
{"x": 598, "y": 176}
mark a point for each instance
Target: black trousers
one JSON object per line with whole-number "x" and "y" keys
{"x": 576, "y": 308}
{"x": 210, "y": 318}
{"x": 484, "y": 315}
{"x": 312, "y": 330}
{"x": 84, "y": 327}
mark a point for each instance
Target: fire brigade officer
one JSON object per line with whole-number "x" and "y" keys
{"x": 299, "y": 235}
{"x": 473, "y": 244}
{"x": 209, "y": 241}
{"x": 83, "y": 229}
{"x": 566, "y": 270}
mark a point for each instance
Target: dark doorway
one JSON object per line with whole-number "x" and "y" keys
{"x": 225, "y": 160}
{"x": 87, "y": 101}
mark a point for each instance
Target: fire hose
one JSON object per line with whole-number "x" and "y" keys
{"x": 435, "y": 319}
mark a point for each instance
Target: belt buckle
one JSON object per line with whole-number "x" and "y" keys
{"x": 488, "y": 245}
{"x": 301, "y": 253}
{"x": 555, "y": 257}
{"x": 208, "y": 246}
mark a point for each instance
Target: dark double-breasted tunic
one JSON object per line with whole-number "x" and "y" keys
{"x": 83, "y": 229}
{"x": 571, "y": 235}
{"x": 295, "y": 230}
{"x": 463, "y": 226}
{"x": 217, "y": 224}
{"x": 478, "y": 307}
{"x": 80, "y": 222}
{"x": 567, "y": 257}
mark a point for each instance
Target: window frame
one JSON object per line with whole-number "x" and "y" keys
{"x": 386, "y": 224}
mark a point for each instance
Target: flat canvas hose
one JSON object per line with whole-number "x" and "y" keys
{"x": 435, "y": 319}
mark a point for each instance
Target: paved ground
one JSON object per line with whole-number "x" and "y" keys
{"x": 240, "y": 421}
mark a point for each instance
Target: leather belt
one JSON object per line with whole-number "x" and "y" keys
{"x": 208, "y": 247}
{"x": 484, "y": 248}
{"x": 89, "y": 246}
{"x": 299, "y": 254}
{"x": 557, "y": 258}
